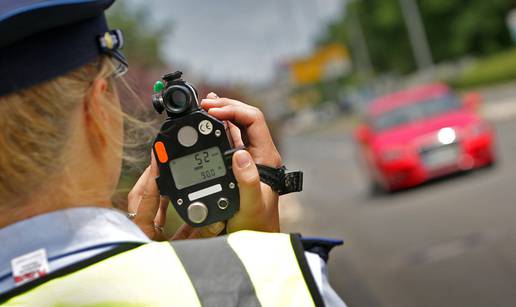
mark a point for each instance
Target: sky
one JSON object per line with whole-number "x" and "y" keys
{"x": 240, "y": 40}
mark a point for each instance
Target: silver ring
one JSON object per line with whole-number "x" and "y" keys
{"x": 159, "y": 228}
{"x": 131, "y": 215}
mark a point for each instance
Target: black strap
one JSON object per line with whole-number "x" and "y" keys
{"x": 297, "y": 246}
{"x": 4, "y": 297}
{"x": 281, "y": 180}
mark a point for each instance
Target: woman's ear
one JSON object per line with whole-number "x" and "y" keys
{"x": 94, "y": 100}
{"x": 95, "y": 113}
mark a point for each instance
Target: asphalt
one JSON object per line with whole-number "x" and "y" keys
{"x": 451, "y": 242}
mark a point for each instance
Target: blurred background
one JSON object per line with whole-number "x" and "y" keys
{"x": 401, "y": 113}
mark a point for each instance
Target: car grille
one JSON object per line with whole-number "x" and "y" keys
{"x": 431, "y": 148}
{"x": 438, "y": 156}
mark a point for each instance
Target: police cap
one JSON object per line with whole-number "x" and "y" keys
{"x": 43, "y": 39}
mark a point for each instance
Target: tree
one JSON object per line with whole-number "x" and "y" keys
{"x": 454, "y": 29}
{"x": 142, "y": 39}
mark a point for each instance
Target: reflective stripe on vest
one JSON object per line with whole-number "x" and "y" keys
{"x": 275, "y": 271}
{"x": 242, "y": 269}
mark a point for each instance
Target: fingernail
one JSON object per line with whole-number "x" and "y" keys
{"x": 243, "y": 158}
{"x": 216, "y": 228}
{"x": 214, "y": 94}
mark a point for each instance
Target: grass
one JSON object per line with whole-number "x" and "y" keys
{"x": 490, "y": 70}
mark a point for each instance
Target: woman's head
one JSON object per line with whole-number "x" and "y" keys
{"x": 63, "y": 135}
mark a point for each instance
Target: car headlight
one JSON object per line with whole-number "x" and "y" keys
{"x": 446, "y": 136}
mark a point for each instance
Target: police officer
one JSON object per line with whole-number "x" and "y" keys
{"x": 61, "y": 132}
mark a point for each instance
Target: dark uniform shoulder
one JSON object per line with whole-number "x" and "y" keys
{"x": 320, "y": 246}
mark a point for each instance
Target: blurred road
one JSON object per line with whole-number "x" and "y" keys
{"x": 448, "y": 243}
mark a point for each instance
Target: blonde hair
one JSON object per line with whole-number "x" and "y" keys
{"x": 34, "y": 128}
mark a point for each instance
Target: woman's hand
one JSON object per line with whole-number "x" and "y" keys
{"x": 245, "y": 120}
{"x": 258, "y": 202}
{"x": 150, "y": 210}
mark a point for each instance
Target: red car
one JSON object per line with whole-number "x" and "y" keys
{"x": 422, "y": 133}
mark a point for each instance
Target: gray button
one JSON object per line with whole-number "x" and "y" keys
{"x": 187, "y": 136}
{"x": 197, "y": 212}
{"x": 223, "y": 203}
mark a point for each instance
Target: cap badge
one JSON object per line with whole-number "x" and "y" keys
{"x": 108, "y": 40}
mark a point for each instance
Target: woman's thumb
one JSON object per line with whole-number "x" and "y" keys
{"x": 248, "y": 179}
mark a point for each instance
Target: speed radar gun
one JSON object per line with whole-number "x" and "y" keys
{"x": 194, "y": 153}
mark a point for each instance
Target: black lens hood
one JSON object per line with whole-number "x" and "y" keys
{"x": 168, "y": 100}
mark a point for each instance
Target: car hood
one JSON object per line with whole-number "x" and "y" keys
{"x": 412, "y": 132}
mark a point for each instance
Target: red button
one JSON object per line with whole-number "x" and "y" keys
{"x": 159, "y": 147}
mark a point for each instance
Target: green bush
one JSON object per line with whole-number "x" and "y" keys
{"x": 494, "y": 69}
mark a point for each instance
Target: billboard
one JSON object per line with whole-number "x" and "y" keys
{"x": 326, "y": 63}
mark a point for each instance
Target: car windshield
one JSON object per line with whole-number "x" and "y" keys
{"x": 415, "y": 112}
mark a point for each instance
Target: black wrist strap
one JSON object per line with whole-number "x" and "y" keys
{"x": 281, "y": 180}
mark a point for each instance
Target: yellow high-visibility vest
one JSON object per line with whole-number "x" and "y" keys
{"x": 241, "y": 269}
